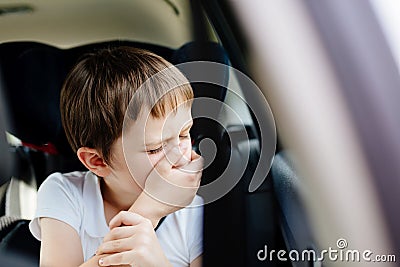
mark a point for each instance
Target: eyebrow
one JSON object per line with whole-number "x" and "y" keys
{"x": 187, "y": 127}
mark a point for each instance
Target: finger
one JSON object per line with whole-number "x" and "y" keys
{"x": 196, "y": 165}
{"x": 115, "y": 246}
{"x": 194, "y": 155}
{"x": 120, "y": 232}
{"x": 121, "y": 258}
{"x": 181, "y": 162}
{"x": 164, "y": 165}
{"x": 175, "y": 156}
{"x": 126, "y": 218}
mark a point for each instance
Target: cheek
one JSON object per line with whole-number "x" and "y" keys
{"x": 140, "y": 168}
{"x": 147, "y": 165}
{"x": 154, "y": 158}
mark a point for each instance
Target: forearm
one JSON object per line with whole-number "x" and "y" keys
{"x": 92, "y": 262}
{"x": 148, "y": 208}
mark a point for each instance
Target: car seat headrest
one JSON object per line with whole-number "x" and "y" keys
{"x": 205, "y": 51}
{"x": 33, "y": 75}
{"x": 208, "y": 97}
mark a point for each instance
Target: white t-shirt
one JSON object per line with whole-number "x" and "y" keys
{"x": 75, "y": 198}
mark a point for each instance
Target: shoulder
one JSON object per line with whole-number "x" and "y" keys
{"x": 60, "y": 197}
{"x": 71, "y": 181}
{"x": 62, "y": 190}
{"x": 65, "y": 179}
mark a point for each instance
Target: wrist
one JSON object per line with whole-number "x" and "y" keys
{"x": 146, "y": 207}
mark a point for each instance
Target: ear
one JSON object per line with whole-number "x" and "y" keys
{"x": 92, "y": 160}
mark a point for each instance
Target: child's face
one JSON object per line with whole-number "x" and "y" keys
{"x": 146, "y": 142}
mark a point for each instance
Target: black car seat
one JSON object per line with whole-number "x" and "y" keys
{"x": 295, "y": 226}
{"x": 11, "y": 229}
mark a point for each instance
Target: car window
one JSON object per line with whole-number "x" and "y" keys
{"x": 387, "y": 12}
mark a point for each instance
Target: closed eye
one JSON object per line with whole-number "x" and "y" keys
{"x": 155, "y": 151}
{"x": 184, "y": 136}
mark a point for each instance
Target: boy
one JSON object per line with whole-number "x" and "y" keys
{"x": 141, "y": 168}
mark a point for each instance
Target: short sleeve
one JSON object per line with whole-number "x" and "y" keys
{"x": 195, "y": 229}
{"x": 58, "y": 198}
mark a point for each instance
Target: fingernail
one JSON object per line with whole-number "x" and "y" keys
{"x": 101, "y": 262}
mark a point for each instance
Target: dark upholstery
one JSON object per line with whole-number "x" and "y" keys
{"x": 287, "y": 185}
{"x": 212, "y": 52}
{"x": 207, "y": 51}
{"x": 31, "y": 84}
{"x": 15, "y": 238}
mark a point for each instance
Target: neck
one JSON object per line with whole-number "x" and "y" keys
{"x": 115, "y": 199}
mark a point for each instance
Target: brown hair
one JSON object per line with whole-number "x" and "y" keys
{"x": 98, "y": 91}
